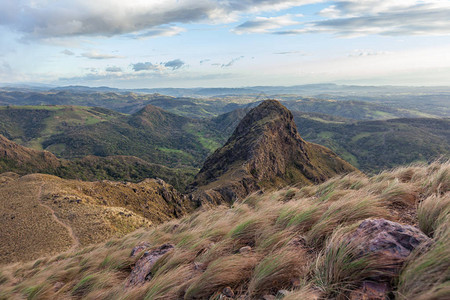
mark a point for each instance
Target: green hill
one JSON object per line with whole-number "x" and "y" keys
{"x": 163, "y": 138}
{"x": 151, "y": 134}
{"x": 22, "y": 160}
{"x": 373, "y": 146}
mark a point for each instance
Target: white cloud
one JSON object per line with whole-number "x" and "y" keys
{"x": 96, "y": 55}
{"x": 174, "y": 64}
{"x": 147, "y": 66}
{"x": 161, "y": 31}
{"x": 231, "y": 62}
{"x": 62, "y": 18}
{"x": 353, "y": 18}
{"x": 264, "y": 25}
{"x": 366, "y": 52}
{"x": 113, "y": 69}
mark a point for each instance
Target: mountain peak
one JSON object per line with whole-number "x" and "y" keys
{"x": 264, "y": 152}
{"x": 269, "y": 115}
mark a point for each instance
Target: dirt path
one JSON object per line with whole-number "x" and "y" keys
{"x": 75, "y": 240}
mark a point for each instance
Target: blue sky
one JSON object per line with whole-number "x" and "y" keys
{"x": 193, "y": 43}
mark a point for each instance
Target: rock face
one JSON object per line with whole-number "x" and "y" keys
{"x": 141, "y": 271}
{"x": 391, "y": 243}
{"x": 265, "y": 151}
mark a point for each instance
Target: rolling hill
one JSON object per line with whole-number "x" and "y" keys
{"x": 22, "y": 160}
{"x": 151, "y": 134}
{"x": 207, "y": 104}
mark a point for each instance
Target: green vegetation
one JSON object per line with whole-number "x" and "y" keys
{"x": 373, "y": 146}
{"x": 174, "y": 141}
{"x": 151, "y": 134}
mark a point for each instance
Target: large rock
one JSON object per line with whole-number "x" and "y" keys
{"x": 264, "y": 152}
{"x": 391, "y": 243}
{"x": 389, "y": 240}
{"x": 142, "y": 270}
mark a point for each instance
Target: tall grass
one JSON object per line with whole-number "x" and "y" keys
{"x": 340, "y": 267}
{"x": 433, "y": 212}
{"x": 276, "y": 271}
{"x": 426, "y": 276}
{"x": 294, "y": 235}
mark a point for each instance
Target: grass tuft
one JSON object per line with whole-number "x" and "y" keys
{"x": 433, "y": 212}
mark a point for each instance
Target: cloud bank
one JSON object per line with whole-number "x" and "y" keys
{"x": 353, "y": 18}
{"x": 64, "y": 18}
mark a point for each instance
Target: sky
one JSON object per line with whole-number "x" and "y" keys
{"x": 232, "y": 43}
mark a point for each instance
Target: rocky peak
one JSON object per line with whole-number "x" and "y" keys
{"x": 265, "y": 151}
{"x": 265, "y": 115}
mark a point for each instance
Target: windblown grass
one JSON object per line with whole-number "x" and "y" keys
{"x": 290, "y": 236}
{"x": 433, "y": 212}
{"x": 426, "y": 276}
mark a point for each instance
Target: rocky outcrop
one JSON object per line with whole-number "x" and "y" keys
{"x": 265, "y": 151}
{"x": 142, "y": 270}
{"x": 389, "y": 242}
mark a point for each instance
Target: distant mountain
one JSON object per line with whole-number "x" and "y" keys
{"x": 354, "y": 106}
{"x": 264, "y": 152}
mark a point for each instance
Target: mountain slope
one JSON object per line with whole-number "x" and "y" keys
{"x": 265, "y": 151}
{"x": 292, "y": 243}
{"x": 44, "y": 214}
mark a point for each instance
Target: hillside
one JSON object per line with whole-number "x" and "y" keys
{"x": 151, "y": 134}
{"x": 373, "y": 146}
{"x": 22, "y": 160}
{"x": 297, "y": 243}
{"x": 76, "y": 132}
{"x": 44, "y": 214}
{"x": 351, "y": 109}
{"x": 265, "y": 151}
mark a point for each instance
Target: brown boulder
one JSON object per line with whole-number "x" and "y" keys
{"x": 142, "y": 270}
{"x": 389, "y": 242}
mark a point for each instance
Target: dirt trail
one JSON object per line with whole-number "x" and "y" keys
{"x": 75, "y": 240}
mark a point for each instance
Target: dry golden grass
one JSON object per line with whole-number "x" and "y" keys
{"x": 296, "y": 238}
{"x": 44, "y": 214}
{"x": 426, "y": 275}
